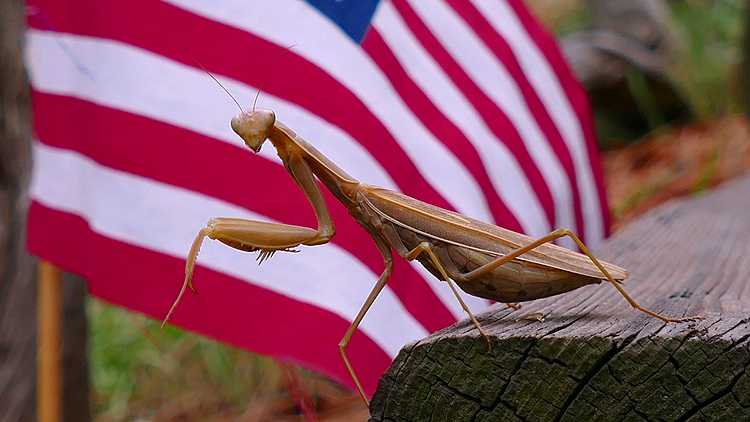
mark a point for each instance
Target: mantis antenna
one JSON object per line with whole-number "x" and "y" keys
{"x": 216, "y": 80}
{"x": 268, "y": 72}
{"x": 260, "y": 87}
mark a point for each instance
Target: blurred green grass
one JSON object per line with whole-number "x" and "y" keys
{"x": 138, "y": 371}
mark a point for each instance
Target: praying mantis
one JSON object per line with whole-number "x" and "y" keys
{"x": 485, "y": 260}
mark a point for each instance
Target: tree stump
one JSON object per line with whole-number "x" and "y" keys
{"x": 594, "y": 357}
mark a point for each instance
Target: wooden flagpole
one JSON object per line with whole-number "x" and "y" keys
{"x": 49, "y": 346}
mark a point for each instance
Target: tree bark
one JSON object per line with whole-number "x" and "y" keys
{"x": 18, "y": 284}
{"x": 18, "y": 277}
{"x": 595, "y": 358}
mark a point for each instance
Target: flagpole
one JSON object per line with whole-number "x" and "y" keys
{"x": 49, "y": 315}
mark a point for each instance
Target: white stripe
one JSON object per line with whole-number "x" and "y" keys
{"x": 541, "y": 76}
{"x": 164, "y": 218}
{"x": 146, "y": 84}
{"x": 506, "y": 174}
{"x": 320, "y": 41}
{"x": 492, "y": 77}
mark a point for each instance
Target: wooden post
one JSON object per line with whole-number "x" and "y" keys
{"x": 594, "y": 357}
{"x": 49, "y": 373}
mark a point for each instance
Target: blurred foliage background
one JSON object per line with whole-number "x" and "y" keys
{"x": 707, "y": 37}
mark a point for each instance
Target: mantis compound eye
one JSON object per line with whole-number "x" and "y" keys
{"x": 266, "y": 118}
{"x": 237, "y": 124}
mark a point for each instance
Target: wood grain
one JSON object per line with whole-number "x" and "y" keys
{"x": 594, "y": 357}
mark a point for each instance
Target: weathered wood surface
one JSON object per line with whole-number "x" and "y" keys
{"x": 595, "y": 358}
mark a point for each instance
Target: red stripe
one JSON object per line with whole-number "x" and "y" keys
{"x": 178, "y": 157}
{"x": 577, "y": 96}
{"x": 504, "y": 54}
{"x": 233, "y": 312}
{"x": 438, "y": 124}
{"x": 167, "y": 28}
{"x": 493, "y": 116}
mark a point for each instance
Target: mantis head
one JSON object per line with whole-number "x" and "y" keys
{"x": 254, "y": 126}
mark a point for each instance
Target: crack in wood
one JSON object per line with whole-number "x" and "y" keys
{"x": 701, "y": 406}
{"x": 594, "y": 371}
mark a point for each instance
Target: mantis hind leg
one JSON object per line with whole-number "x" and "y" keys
{"x": 484, "y": 269}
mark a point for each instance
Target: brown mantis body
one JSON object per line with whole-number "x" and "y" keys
{"x": 483, "y": 259}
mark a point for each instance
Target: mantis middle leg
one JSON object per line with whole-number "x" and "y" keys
{"x": 385, "y": 250}
{"x": 426, "y": 247}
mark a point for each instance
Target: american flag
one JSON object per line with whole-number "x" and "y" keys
{"x": 467, "y": 105}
